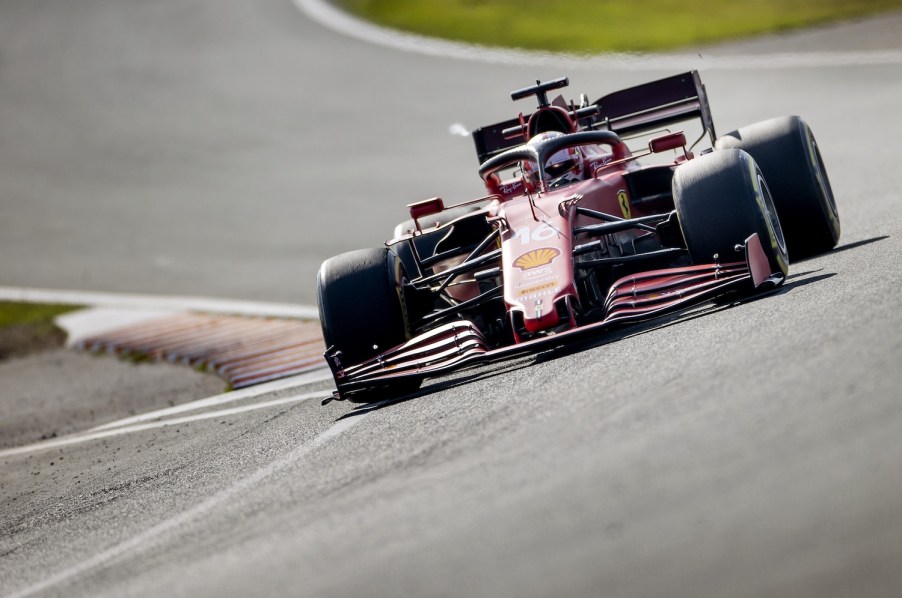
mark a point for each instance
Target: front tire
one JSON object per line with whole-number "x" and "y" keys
{"x": 363, "y": 313}
{"x": 721, "y": 199}
{"x": 360, "y": 299}
{"x": 788, "y": 155}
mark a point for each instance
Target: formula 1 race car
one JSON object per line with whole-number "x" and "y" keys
{"x": 575, "y": 235}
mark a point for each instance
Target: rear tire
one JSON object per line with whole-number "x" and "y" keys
{"x": 788, "y": 155}
{"x": 721, "y": 199}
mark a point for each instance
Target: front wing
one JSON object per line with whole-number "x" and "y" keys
{"x": 631, "y": 299}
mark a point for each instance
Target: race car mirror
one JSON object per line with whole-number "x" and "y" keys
{"x": 424, "y": 208}
{"x": 671, "y": 141}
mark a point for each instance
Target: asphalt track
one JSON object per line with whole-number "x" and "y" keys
{"x": 225, "y": 148}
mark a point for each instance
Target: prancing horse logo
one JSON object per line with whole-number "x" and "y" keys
{"x": 624, "y": 201}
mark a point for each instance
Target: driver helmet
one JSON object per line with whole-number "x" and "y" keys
{"x": 563, "y": 167}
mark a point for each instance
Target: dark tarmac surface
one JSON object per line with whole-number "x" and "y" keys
{"x": 743, "y": 451}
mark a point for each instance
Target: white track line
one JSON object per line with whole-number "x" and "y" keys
{"x": 131, "y": 429}
{"x": 229, "y": 397}
{"x": 186, "y": 517}
{"x": 332, "y": 18}
{"x": 160, "y": 303}
{"x": 339, "y": 427}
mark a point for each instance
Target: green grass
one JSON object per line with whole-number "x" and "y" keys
{"x": 15, "y": 313}
{"x": 592, "y": 26}
{"x": 28, "y": 327}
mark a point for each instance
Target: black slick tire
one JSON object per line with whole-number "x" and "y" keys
{"x": 721, "y": 198}
{"x": 361, "y": 304}
{"x": 788, "y": 155}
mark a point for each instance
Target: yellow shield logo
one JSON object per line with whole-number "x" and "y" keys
{"x": 536, "y": 258}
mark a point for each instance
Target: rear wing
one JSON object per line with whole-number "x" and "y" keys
{"x": 491, "y": 140}
{"x": 656, "y": 104}
{"x": 630, "y": 111}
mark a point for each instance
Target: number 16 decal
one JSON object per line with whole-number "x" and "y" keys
{"x": 543, "y": 232}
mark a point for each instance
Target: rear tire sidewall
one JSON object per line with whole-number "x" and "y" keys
{"x": 788, "y": 154}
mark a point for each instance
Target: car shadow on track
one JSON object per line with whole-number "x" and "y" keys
{"x": 461, "y": 378}
{"x": 789, "y": 285}
{"x": 793, "y": 280}
{"x": 858, "y": 244}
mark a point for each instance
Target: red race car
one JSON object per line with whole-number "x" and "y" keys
{"x": 577, "y": 234}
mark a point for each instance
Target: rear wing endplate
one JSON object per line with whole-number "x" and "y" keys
{"x": 490, "y": 140}
{"x": 656, "y": 104}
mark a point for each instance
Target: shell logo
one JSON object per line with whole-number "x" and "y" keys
{"x": 536, "y": 258}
